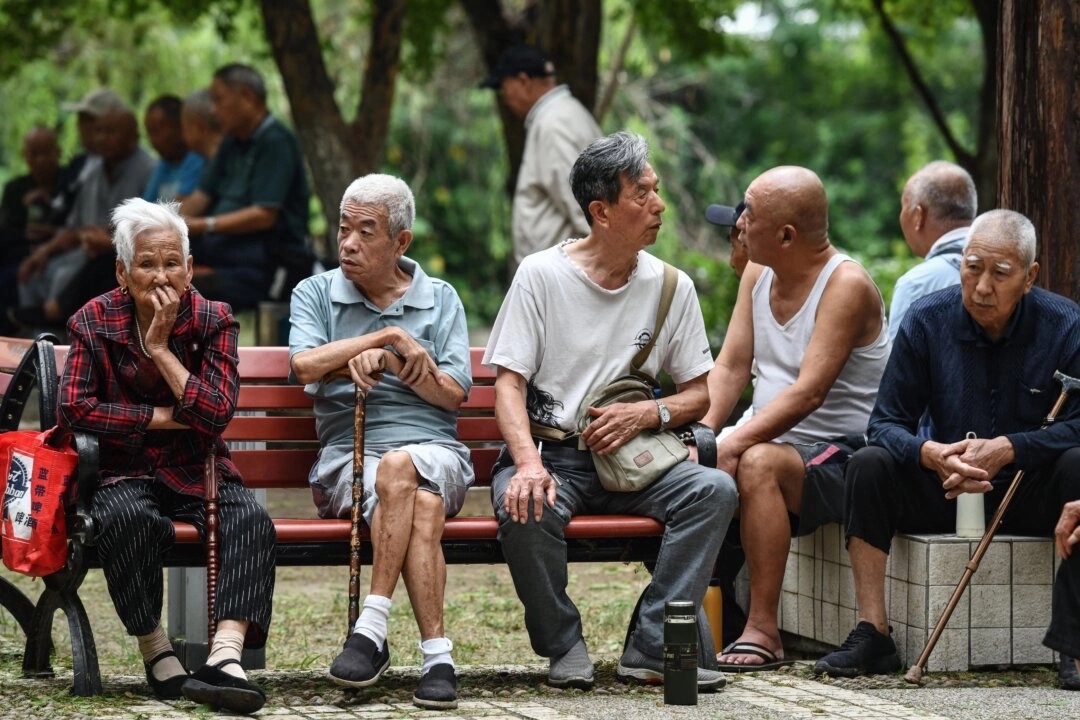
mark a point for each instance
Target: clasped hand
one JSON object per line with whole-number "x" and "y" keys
{"x": 969, "y": 465}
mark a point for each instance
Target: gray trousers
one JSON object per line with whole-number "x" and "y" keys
{"x": 694, "y": 503}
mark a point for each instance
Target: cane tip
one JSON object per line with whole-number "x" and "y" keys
{"x": 914, "y": 675}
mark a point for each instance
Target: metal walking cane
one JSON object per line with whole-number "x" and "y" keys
{"x": 914, "y": 674}
{"x": 357, "y": 507}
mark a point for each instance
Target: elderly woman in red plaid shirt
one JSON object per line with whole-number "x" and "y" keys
{"x": 152, "y": 372}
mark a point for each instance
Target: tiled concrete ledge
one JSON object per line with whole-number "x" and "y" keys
{"x": 1000, "y": 620}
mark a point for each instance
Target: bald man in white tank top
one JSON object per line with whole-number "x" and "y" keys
{"x": 814, "y": 322}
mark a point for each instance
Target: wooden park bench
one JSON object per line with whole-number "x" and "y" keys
{"x": 277, "y": 417}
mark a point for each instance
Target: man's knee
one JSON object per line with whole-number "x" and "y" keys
{"x": 396, "y": 476}
{"x": 429, "y": 516}
{"x": 867, "y": 469}
{"x": 766, "y": 465}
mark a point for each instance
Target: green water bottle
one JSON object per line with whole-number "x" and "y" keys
{"x": 680, "y": 653}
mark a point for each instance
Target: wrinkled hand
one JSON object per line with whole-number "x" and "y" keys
{"x": 416, "y": 358}
{"x": 956, "y": 475}
{"x": 530, "y": 482}
{"x": 727, "y": 458}
{"x": 166, "y": 304}
{"x": 612, "y": 426}
{"x": 366, "y": 369}
{"x": 1067, "y": 532}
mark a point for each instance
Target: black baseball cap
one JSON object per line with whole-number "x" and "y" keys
{"x": 518, "y": 59}
{"x": 724, "y": 215}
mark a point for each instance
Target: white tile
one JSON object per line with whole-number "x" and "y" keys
{"x": 807, "y": 613}
{"x": 939, "y": 598}
{"x": 1033, "y": 562}
{"x": 847, "y": 620}
{"x": 1031, "y": 605}
{"x": 918, "y": 561}
{"x": 831, "y": 542}
{"x": 995, "y": 566}
{"x": 991, "y": 646}
{"x": 916, "y": 641}
{"x": 830, "y": 624}
{"x": 899, "y": 636}
{"x": 847, "y": 587}
{"x": 947, "y": 561}
{"x": 806, "y": 575}
{"x": 805, "y": 545}
{"x": 951, "y": 651}
{"x": 789, "y": 612}
{"x": 916, "y": 606}
{"x": 830, "y": 582}
{"x": 791, "y": 573}
{"x": 898, "y": 600}
{"x": 991, "y": 606}
{"x": 898, "y": 558}
{"x": 1028, "y": 648}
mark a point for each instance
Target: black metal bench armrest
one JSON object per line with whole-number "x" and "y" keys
{"x": 37, "y": 367}
{"x": 80, "y": 524}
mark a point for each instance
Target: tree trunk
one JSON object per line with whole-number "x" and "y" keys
{"x": 569, "y": 33}
{"x": 1039, "y": 137}
{"x": 337, "y": 152}
{"x": 323, "y": 134}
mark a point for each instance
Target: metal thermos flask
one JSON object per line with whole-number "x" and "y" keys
{"x": 680, "y": 653}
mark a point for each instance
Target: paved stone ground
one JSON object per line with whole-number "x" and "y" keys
{"x": 518, "y": 693}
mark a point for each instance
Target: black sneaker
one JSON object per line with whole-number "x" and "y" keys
{"x": 361, "y": 663}
{"x": 437, "y": 689}
{"x": 865, "y": 652}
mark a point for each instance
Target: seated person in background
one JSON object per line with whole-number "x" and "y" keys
{"x": 936, "y": 208}
{"x": 813, "y": 323}
{"x": 980, "y": 360}
{"x": 1064, "y": 632}
{"x": 94, "y": 104}
{"x": 251, "y": 206}
{"x": 201, "y": 130}
{"x": 152, "y": 372}
{"x": 572, "y": 321}
{"x": 379, "y": 312}
{"x": 26, "y": 213}
{"x": 77, "y": 263}
{"x": 177, "y": 172}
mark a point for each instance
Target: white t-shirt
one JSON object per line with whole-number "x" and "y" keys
{"x": 566, "y": 335}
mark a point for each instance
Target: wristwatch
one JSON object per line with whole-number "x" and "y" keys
{"x": 665, "y": 414}
{"x": 211, "y": 223}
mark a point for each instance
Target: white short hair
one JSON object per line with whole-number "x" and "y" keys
{"x": 386, "y": 191}
{"x": 1006, "y": 228}
{"x": 134, "y": 216}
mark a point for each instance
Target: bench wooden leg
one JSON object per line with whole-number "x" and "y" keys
{"x": 15, "y": 602}
{"x": 84, "y": 662}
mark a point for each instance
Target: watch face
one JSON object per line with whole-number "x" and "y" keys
{"x": 665, "y": 414}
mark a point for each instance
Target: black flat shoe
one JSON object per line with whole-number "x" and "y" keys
{"x": 212, "y": 686}
{"x": 169, "y": 688}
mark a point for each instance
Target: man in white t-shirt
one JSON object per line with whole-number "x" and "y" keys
{"x": 574, "y": 317}
{"x": 812, "y": 322}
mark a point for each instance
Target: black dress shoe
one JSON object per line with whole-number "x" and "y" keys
{"x": 169, "y": 688}
{"x": 210, "y": 685}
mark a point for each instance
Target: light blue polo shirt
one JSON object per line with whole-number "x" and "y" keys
{"x": 328, "y": 307}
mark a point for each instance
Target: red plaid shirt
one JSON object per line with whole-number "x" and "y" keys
{"x": 110, "y": 388}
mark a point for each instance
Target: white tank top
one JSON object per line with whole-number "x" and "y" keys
{"x": 779, "y": 351}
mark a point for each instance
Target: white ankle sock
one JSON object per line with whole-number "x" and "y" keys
{"x": 152, "y": 645}
{"x": 436, "y": 651}
{"x": 374, "y": 619}
{"x": 228, "y": 644}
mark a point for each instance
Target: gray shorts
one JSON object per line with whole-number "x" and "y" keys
{"x": 445, "y": 468}
{"x": 824, "y": 489}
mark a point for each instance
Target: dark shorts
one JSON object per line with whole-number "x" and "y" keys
{"x": 824, "y": 490}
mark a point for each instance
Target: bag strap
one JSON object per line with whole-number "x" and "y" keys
{"x": 37, "y": 367}
{"x": 667, "y": 293}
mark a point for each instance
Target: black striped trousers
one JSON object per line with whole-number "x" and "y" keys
{"x": 134, "y": 529}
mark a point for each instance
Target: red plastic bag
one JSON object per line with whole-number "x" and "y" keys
{"x": 32, "y": 521}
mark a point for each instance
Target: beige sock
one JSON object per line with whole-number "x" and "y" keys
{"x": 152, "y": 645}
{"x": 228, "y": 644}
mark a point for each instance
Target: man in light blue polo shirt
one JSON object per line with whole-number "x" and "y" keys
{"x": 937, "y": 206}
{"x": 402, "y": 337}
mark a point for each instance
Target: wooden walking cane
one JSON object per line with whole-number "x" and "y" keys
{"x": 211, "y": 490}
{"x": 357, "y": 507}
{"x": 914, "y": 674}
